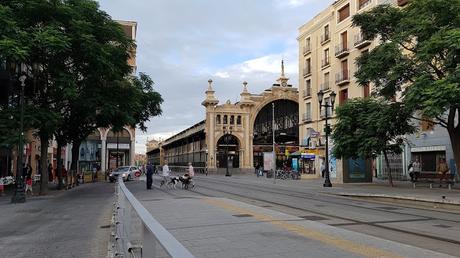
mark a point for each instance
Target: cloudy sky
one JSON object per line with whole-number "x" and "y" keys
{"x": 183, "y": 43}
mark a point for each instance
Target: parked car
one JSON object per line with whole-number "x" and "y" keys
{"x": 126, "y": 172}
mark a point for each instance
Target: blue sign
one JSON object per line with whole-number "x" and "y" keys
{"x": 294, "y": 164}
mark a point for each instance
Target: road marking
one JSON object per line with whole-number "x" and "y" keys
{"x": 364, "y": 250}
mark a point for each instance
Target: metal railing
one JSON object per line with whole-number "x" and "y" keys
{"x": 137, "y": 234}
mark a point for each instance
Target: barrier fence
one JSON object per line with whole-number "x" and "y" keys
{"x": 135, "y": 233}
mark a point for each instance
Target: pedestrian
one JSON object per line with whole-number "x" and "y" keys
{"x": 258, "y": 170}
{"x": 165, "y": 173}
{"x": 50, "y": 172}
{"x": 442, "y": 170}
{"x": 29, "y": 184}
{"x": 191, "y": 173}
{"x": 410, "y": 168}
{"x": 149, "y": 176}
{"x": 322, "y": 168}
{"x": 417, "y": 168}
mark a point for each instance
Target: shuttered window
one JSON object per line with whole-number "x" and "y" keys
{"x": 344, "y": 12}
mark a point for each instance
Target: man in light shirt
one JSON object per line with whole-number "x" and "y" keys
{"x": 191, "y": 173}
{"x": 165, "y": 173}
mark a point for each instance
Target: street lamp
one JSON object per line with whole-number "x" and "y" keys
{"x": 327, "y": 182}
{"x": 227, "y": 133}
{"x": 19, "y": 195}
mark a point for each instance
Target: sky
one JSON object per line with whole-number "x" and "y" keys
{"x": 182, "y": 44}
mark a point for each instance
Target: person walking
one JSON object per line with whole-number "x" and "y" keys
{"x": 442, "y": 170}
{"x": 29, "y": 184}
{"x": 149, "y": 176}
{"x": 50, "y": 172}
{"x": 416, "y": 169}
{"x": 191, "y": 173}
{"x": 322, "y": 168}
{"x": 165, "y": 173}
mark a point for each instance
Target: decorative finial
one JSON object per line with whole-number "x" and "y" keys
{"x": 282, "y": 67}
{"x": 245, "y": 86}
{"x": 210, "y": 84}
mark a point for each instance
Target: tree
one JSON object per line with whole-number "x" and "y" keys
{"x": 369, "y": 127}
{"x": 417, "y": 58}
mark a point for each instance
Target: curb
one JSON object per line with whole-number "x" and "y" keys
{"x": 406, "y": 198}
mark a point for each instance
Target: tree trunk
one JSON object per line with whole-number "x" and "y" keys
{"x": 74, "y": 165}
{"x": 59, "y": 165}
{"x": 455, "y": 141}
{"x": 43, "y": 164}
{"x": 390, "y": 177}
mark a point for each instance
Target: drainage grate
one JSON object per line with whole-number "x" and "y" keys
{"x": 442, "y": 226}
{"x": 266, "y": 206}
{"x": 242, "y": 215}
{"x": 388, "y": 208}
{"x": 105, "y": 226}
{"x": 314, "y": 218}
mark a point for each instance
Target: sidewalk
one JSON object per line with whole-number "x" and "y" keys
{"x": 403, "y": 190}
{"x": 225, "y": 228}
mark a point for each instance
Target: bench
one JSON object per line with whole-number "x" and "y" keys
{"x": 433, "y": 178}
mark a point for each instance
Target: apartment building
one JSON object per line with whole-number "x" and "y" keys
{"x": 328, "y": 47}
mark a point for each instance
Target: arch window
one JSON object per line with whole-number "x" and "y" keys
{"x": 225, "y": 119}
{"x": 238, "y": 120}
{"x": 218, "y": 119}
{"x": 232, "y": 120}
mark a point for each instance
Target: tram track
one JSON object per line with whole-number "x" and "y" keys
{"x": 377, "y": 225}
{"x": 299, "y": 194}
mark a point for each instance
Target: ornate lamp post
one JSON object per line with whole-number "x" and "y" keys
{"x": 19, "y": 195}
{"x": 227, "y": 133}
{"x": 327, "y": 129}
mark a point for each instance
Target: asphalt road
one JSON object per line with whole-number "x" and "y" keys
{"x": 71, "y": 223}
{"x": 432, "y": 229}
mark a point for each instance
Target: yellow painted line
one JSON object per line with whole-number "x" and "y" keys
{"x": 364, "y": 250}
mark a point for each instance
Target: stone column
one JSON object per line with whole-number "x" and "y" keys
{"x": 132, "y": 152}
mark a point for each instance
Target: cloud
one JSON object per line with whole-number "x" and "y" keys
{"x": 182, "y": 44}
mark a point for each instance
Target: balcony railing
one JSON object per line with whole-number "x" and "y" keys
{"x": 402, "y": 2}
{"x": 325, "y": 38}
{"x": 307, "y": 93}
{"x": 306, "y": 50}
{"x": 342, "y": 78}
{"x": 324, "y": 86}
{"x": 306, "y": 72}
{"x": 306, "y": 117}
{"x": 341, "y": 50}
{"x": 360, "y": 41}
{"x": 325, "y": 62}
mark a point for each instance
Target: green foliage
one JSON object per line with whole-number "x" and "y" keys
{"x": 366, "y": 128}
{"x": 418, "y": 54}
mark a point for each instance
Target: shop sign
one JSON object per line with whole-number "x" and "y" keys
{"x": 428, "y": 149}
{"x": 308, "y": 156}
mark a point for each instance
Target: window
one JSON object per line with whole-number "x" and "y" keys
{"x": 238, "y": 120}
{"x": 325, "y": 85}
{"x": 308, "y": 112}
{"x": 343, "y": 96}
{"x": 307, "y": 44}
{"x": 344, "y": 39}
{"x": 343, "y": 13}
{"x": 307, "y": 69}
{"x": 363, "y": 3}
{"x": 218, "y": 119}
{"x": 326, "y": 32}
{"x": 225, "y": 119}
{"x": 366, "y": 91}
{"x": 326, "y": 57}
{"x": 232, "y": 119}
{"x": 308, "y": 87}
{"x": 345, "y": 69}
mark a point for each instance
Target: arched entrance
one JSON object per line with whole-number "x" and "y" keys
{"x": 228, "y": 152}
{"x": 286, "y": 116}
{"x": 119, "y": 148}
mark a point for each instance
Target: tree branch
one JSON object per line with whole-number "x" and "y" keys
{"x": 440, "y": 122}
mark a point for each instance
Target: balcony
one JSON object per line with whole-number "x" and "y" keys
{"x": 402, "y": 2}
{"x": 325, "y": 63}
{"x": 361, "y": 42}
{"x": 341, "y": 50}
{"x": 306, "y": 50}
{"x": 306, "y": 72}
{"x": 324, "y": 86}
{"x": 342, "y": 78}
{"x": 307, "y": 93}
{"x": 325, "y": 38}
{"x": 306, "y": 117}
